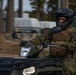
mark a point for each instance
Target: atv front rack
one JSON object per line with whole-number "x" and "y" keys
{"x": 10, "y": 64}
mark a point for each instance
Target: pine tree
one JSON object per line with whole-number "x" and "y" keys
{"x": 72, "y": 5}
{"x": 38, "y": 7}
{"x": 52, "y": 6}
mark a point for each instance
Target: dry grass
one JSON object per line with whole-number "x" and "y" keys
{"x": 8, "y": 46}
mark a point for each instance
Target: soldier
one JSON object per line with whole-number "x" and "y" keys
{"x": 66, "y": 39}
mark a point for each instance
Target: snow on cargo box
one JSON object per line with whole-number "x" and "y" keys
{"x": 27, "y": 24}
{"x": 47, "y": 24}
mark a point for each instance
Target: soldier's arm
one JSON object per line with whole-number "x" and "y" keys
{"x": 71, "y": 45}
{"x": 38, "y": 39}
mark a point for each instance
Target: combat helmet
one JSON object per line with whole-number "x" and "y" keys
{"x": 68, "y": 14}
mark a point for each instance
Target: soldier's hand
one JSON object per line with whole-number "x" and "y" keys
{"x": 59, "y": 43}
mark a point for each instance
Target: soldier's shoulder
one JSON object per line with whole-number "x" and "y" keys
{"x": 72, "y": 29}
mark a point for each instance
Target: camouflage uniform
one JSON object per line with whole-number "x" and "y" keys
{"x": 67, "y": 39}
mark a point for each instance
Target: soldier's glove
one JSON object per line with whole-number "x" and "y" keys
{"x": 45, "y": 44}
{"x": 59, "y": 43}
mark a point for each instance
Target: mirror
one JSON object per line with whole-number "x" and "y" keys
{"x": 14, "y": 35}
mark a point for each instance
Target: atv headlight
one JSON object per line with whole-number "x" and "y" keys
{"x": 25, "y": 51}
{"x": 29, "y": 71}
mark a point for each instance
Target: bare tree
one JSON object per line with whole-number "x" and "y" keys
{"x": 10, "y": 16}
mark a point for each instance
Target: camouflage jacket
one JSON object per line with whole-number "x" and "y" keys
{"x": 67, "y": 37}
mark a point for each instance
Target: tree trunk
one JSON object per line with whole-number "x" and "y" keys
{"x": 10, "y": 16}
{"x": 1, "y": 17}
{"x": 20, "y": 8}
{"x": 65, "y": 3}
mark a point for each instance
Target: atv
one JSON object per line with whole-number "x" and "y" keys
{"x": 32, "y": 64}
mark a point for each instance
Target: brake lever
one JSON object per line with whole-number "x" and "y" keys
{"x": 54, "y": 46}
